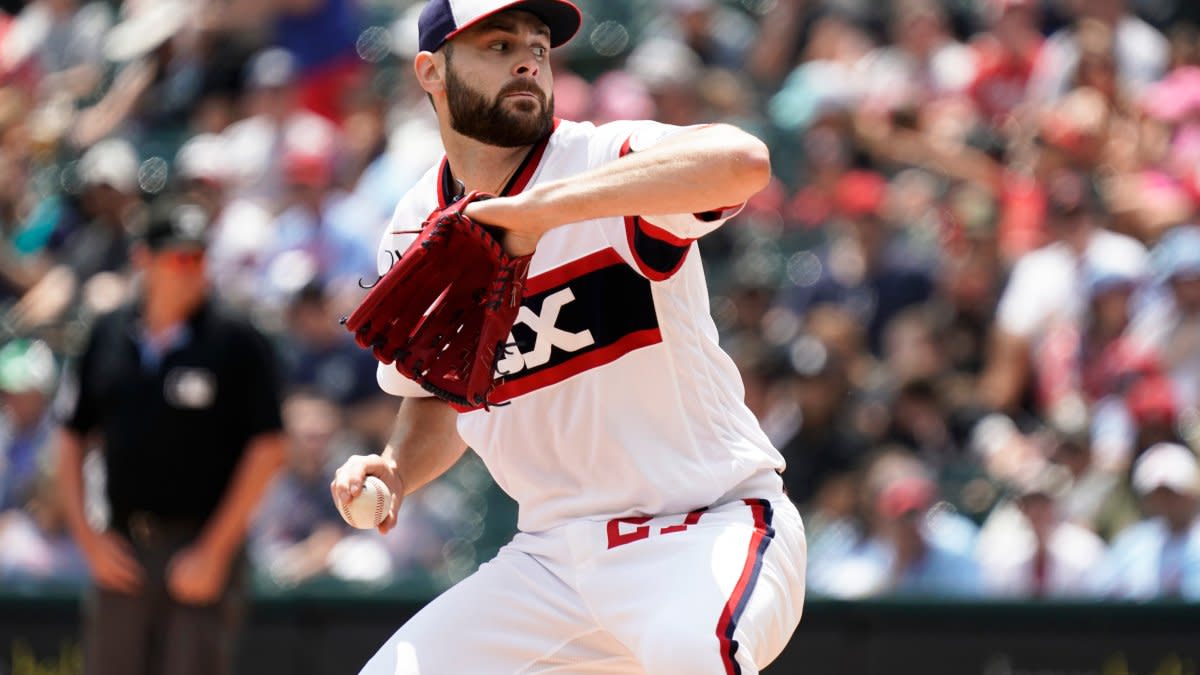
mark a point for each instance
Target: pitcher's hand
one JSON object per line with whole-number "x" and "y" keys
{"x": 521, "y": 234}
{"x": 348, "y": 483}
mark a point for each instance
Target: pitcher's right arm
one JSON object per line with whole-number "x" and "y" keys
{"x": 424, "y": 445}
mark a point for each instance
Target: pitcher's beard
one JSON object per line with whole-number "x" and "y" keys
{"x": 472, "y": 115}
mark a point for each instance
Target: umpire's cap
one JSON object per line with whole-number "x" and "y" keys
{"x": 441, "y": 20}
{"x": 176, "y": 224}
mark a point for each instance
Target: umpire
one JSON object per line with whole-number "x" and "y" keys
{"x": 183, "y": 400}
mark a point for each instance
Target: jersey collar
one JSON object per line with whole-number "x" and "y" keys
{"x": 521, "y": 177}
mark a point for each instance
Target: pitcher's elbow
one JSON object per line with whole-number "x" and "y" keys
{"x": 753, "y": 163}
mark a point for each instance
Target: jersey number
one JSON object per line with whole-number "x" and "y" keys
{"x": 616, "y": 537}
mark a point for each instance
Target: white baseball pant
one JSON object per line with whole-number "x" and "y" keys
{"x": 713, "y": 591}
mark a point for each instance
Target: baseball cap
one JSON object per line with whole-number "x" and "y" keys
{"x": 441, "y": 20}
{"x": 112, "y": 162}
{"x": 204, "y": 157}
{"x": 1105, "y": 273}
{"x": 27, "y": 366}
{"x": 860, "y": 193}
{"x": 174, "y": 224}
{"x": 1177, "y": 253}
{"x": 146, "y": 26}
{"x": 1151, "y": 400}
{"x": 906, "y": 494}
{"x": 1168, "y": 465}
{"x": 271, "y": 68}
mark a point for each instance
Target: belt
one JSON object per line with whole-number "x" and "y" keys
{"x": 150, "y": 529}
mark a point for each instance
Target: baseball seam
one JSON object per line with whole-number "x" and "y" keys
{"x": 379, "y": 507}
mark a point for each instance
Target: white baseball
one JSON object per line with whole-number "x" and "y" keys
{"x": 370, "y": 507}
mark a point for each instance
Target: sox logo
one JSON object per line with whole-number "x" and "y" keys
{"x": 548, "y": 335}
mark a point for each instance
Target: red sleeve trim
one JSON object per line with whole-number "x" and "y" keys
{"x": 655, "y": 270}
{"x": 655, "y": 232}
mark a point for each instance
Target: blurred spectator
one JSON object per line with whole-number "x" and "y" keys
{"x": 824, "y": 443}
{"x": 1168, "y": 328}
{"x": 1160, "y": 556}
{"x": 322, "y": 232}
{"x": 1172, "y": 106}
{"x": 298, "y": 525}
{"x": 919, "y": 422}
{"x": 910, "y": 346}
{"x": 275, "y": 123}
{"x": 970, "y": 279}
{"x": 35, "y": 544}
{"x": 322, "y": 34}
{"x": 1028, "y": 549}
{"x": 716, "y": 33}
{"x": 1004, "y": 57}
{"x": 158, "y": 84}
{"x": 28, "y": 377}
{"x": 1085, "y": 364}
{"x": 60, "y": 42}
{"x": 864, "y": 270}
{"x": 1094, "y": 498}
{"x": 241, "y": 226}
{"x": 829, "y": 80}
{"x": 88, "y": 244}
{"x": 923, "y": 60}
{"x": 1138, "y": 50}
{"x": 913, "y": 549}
{"x": 319, "y": 355}
{"x": 1045, "y": 288}
{"x": 670, "y": 71}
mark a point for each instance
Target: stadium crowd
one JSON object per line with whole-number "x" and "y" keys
{"x": 967, "y": 308}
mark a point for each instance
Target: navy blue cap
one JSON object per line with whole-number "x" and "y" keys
{"x": 175, "y": 224}
{"x": 443, "y": 19}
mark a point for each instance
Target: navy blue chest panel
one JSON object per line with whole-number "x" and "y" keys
{"x": 580, "y": 316}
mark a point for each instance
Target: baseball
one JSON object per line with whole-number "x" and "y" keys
{"x": 370, "y": 507}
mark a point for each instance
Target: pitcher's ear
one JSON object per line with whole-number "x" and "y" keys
{"x": 430, "y": 70}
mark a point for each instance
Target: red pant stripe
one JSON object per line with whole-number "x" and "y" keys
{"x": 763, "y": 533}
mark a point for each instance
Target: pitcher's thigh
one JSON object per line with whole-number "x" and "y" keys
{"x": 722, "y": 595}
{"x": 510, "y": 614}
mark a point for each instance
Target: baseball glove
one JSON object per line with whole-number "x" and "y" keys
{"x": 444, "y": 311}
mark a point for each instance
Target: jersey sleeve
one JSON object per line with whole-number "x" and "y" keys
{"x": 659, "y": 243}
{"x": 401, "y": 231}
{"x": 682, "y": 226}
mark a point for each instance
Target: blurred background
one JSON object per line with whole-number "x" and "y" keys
{"x": 967, "y": 308}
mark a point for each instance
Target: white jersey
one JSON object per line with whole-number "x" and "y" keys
{"x": 620, "y": 400}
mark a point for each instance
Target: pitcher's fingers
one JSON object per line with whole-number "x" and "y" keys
{"x": 389, "y": 521}
{"x": 347, "y": 482}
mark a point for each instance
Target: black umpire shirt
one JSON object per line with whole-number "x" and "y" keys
{"x": 174, "y": 424}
